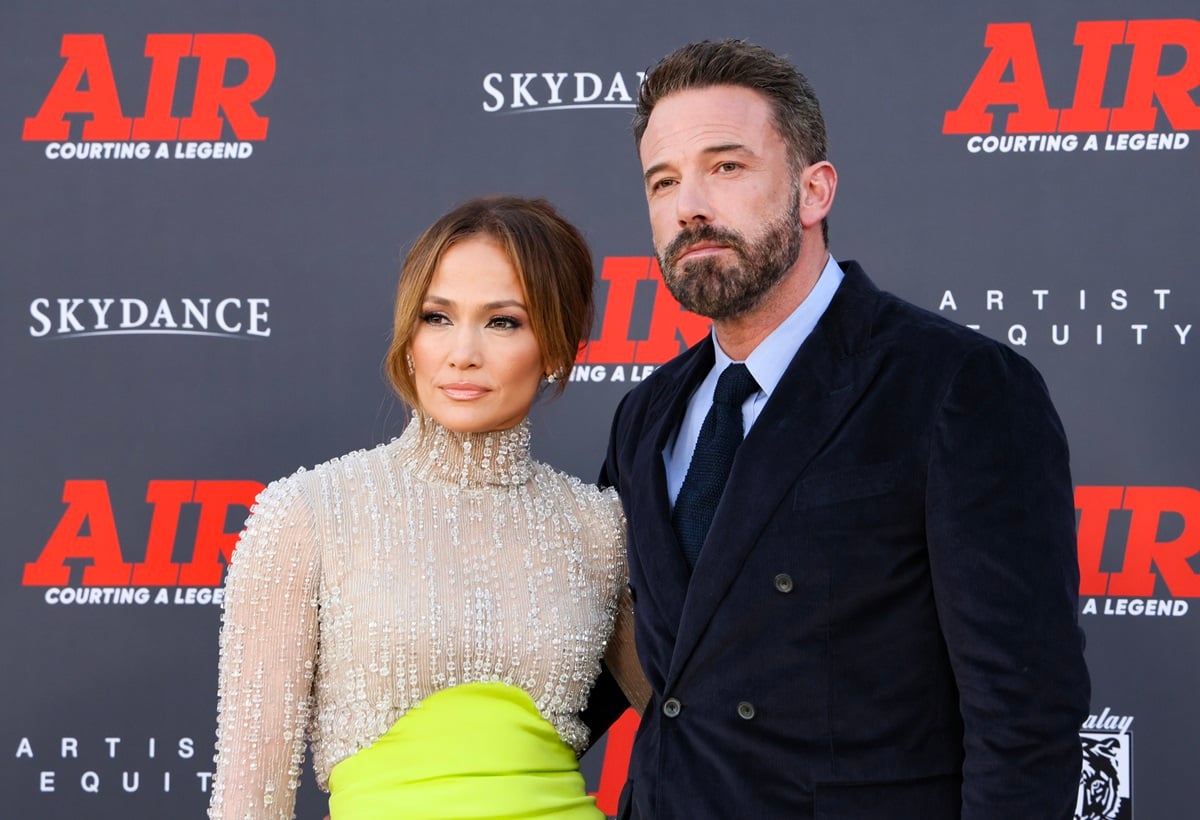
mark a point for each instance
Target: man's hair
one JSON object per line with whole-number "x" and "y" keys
{"x": 796, "y": 111}
{"x": 552, "y": 262}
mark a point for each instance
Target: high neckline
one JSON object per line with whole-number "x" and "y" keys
{"x": 499, "y": 458}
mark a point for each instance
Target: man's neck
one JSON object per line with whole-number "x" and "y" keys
{"x": 740, "y": 335}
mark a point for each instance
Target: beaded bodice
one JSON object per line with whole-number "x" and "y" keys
{"x": 374, "y": 580}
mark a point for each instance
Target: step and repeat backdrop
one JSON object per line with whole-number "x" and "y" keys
{"x": 204, "y": 210}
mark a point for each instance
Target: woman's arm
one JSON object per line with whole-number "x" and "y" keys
{"x": 621, "y": 656}
{"x": 268, "y": 658}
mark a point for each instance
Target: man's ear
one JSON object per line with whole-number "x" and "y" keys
{"x": 818, "y": 185}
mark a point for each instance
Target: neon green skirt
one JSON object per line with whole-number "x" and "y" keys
{"x": 480, "y": 750}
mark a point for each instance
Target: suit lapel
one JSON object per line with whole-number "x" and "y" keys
{"x": 824, "y": 380}
{"x": 664, "y": 568}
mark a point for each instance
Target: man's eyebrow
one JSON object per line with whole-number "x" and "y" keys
{"x": 726, "y": 147}
{"x": 654, "y": 169}
{"x": 722, "y": 148}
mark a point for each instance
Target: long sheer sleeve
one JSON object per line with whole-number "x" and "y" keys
{"x": 267, "y": 659}
{"x": 621, "y": 657}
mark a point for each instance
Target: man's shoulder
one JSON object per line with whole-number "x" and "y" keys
{"x": 895, "y": 321}
{"x": 925, "y": 325}
{"x": 931, "y": 348}
{"x": 667, "y": 377}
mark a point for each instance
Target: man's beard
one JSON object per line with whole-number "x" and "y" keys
{"x": 720, "y": 290}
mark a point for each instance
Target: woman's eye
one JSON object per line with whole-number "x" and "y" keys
{"x": 504, "y": 322}
{"x": 434, "y": 318}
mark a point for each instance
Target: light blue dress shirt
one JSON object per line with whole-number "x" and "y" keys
{"x": 766, "y": 363}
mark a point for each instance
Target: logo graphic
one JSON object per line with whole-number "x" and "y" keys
{"x": 111, "y": 765}
{"x": 1157, "y": 83}
{"x": 1139, "y": 316}
{"x": 521, "y": 92}
{"x": 636, "y": 295}
{"x": 642, "y": 323}
{"x": 86, "y": 536}
{"x": 72, "y": 317}
{"x": 1106, "y": 782}
{"x": 614, "y": 770}
{"x": 1153, "y": 535}
{"x": 223, "y": 123}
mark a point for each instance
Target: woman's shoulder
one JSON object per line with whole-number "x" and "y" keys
{"x": 603, "y": 503}
{"x": 312, "y": 482}
{"x": 355, "y": 460}
{"x": 576, "y": 486}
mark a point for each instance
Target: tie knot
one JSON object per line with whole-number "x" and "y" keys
{"x": 735, "y": 385}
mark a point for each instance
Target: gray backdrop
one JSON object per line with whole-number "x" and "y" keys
{"x": 130, "y": 446}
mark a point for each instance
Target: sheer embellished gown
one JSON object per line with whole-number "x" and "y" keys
{"x": 429, "y": 616}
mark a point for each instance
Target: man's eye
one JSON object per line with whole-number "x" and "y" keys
{"x": 729, "y": 166}
{"x": 662, "y": 183}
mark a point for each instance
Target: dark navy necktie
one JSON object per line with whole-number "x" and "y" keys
{"x": 708, "y": 471}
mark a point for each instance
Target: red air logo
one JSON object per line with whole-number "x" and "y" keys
{"x": 1163, "y": 74}
{"x": 1160, "y": 565}
{"x": 87, "y": 535}
{"x": 623, "y": 353}
{"x": 86, "y": 88}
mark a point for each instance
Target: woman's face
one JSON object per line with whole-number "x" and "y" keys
{"x": 476, "y": 362}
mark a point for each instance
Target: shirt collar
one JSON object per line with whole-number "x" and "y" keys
{"x": 770, "y": 359}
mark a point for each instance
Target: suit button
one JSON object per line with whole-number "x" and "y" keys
{"x": 746, "y": 710}
{"x": 783, "y": 582}
{"x": 671, "y": 707}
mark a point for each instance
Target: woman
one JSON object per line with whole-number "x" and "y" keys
{"x": 432, "y": 612}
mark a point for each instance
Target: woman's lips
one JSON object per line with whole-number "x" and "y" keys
{"x": 464, "y": 391}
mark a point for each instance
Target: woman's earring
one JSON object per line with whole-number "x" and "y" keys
{"x": 408, "y": 360}
{"x": 551, "y": 378}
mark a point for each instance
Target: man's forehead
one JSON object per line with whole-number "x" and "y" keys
{"x": 699, "y": 118}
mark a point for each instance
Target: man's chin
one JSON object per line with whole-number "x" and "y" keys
{"x": 693, "y": 302}
{"x": 722, "y": 308}
{"x": 710, "y": 308}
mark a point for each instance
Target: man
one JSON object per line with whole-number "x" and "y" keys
{"x": 880, "y": 619}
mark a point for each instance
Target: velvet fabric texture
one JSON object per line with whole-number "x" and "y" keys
{"x": 882, "y": 622}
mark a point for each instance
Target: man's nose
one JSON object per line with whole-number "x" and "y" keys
{"x": 692, "y": 203}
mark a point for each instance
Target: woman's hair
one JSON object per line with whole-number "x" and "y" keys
{"x": 553, "y": 264}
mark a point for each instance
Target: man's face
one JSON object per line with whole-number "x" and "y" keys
{"x": 724, "y": 201}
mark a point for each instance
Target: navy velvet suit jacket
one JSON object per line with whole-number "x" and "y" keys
{"x": 883, "y": 620}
